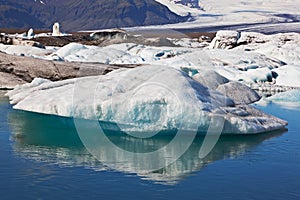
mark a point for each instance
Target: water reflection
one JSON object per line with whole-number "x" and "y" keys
{"x": 3, "y": 99}
{"x": 54, "y": 139}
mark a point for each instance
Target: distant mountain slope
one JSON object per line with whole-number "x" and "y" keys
{"x": 84, "y": 14}
{"x": 189, "y": 3}
{"x": 183, "y": 7}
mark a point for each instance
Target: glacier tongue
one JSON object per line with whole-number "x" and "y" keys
{"x": 149, "y": 98}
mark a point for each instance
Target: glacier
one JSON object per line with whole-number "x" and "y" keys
{"x": 143, "y": 99}
{"x": 259, "y": 15}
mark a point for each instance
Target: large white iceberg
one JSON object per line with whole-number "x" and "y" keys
{"x": 143, "y": 99}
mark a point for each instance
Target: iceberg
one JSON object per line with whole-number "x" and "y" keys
{"x": 238, "y": 92}
{"x": 75, "y": 52}
{"x": 289, "y": 96}
{"x": 28, "y": 51}
{"x": 210, "y": 79}
{"x": 288, "y": 75}
{"x": 289, "y": 100}
{"x": 144, "y": 99}
{"x": 225, "y": 40}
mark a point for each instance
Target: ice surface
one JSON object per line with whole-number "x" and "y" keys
{"x": 288, "y": 75}
{"x": 253, "y": 57}
{"x": 225, "y": 40}
{"x": 290, "y": 96}
{"x": 210, "y": 79}
{"x": 234, "y": 12}
{"x": 25, "y": 50}
{"x": 288, "y": 100}
{"x": 83, "y": 53}
{"x": 239, "y": 93}
{"x": 283, "y": 46}
{"x": 149, "y": 98}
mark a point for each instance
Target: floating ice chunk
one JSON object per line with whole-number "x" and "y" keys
{"x": 288, "y": 75}
{"x": 210, "y": 79}
{"x": 56, "y": 29}
{"x": 240, "y": 93}
{"x": 250, "y": 76}
{"x": 288, "y": 100}
{"x": 84, "y": 53}
{"x": 29, "y": 51}
{"x": 257, "y": 75}
{"x": 30, "y": 33}
{"x": 289, "y": 96}
{"x": 284, "y": 46}
{"x": 143, "y": 99}
{"x": 70, "y": 49}
{"x": 225, "y": 40}
{"x": 252, "y": 37}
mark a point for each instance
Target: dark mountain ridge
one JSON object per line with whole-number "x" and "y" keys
{"x": 77, "y": 15}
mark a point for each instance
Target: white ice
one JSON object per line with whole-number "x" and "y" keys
{"x": 288, "y": 75}
{"x": 246, "y": 57}
{"x": 25, "y": 51}
{"x": 144, "y": 99}
{"x": 234, "y": 12}
{"x": 288, "y": 100}
{"x": 290, "y": 96}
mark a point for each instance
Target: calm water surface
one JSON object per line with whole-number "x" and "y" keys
{"x": 42, "y": 157}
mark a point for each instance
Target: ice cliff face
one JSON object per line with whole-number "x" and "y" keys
{"x": 149, "y": 98}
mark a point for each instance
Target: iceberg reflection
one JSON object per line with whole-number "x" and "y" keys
{"x": 53, "y": 139}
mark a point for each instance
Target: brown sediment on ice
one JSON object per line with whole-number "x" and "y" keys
{"x": 16, "y": 70}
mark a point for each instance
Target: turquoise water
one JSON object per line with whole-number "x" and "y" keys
{"x": 42, "y": 157}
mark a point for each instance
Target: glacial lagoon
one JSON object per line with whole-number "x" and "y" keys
{"x": 42, "y": 156}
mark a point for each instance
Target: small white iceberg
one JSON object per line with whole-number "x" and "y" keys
{"x": 289, "y": 99}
